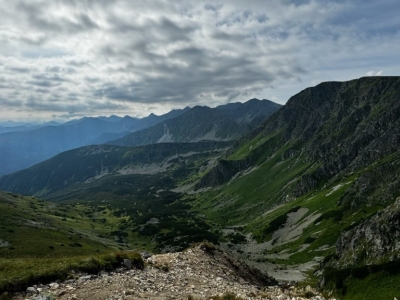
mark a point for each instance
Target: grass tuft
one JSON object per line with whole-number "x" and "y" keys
{"x": 227, "y": 296}
{"x": 50, "y": 271}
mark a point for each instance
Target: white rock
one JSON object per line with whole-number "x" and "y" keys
{"x": 31, "y": 290}
{"x": 54, "y": 285}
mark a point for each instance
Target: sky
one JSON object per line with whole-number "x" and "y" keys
{"x": 66, "y": 59}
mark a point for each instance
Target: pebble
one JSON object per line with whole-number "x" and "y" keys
{"x": 31, "y": 290}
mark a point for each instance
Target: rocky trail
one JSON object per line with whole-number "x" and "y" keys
{"x": 201, "y": 272}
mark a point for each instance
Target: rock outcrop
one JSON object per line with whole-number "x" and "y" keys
{"x": 372, "y": 246}
{"x": 374, "y": 241}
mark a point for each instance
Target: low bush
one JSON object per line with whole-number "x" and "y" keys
{"x": 135, "y": 257}
{"x": 5, "y": 296}
{"x": 336, "y": 215}
{"x": 207, "y": 247}
{"x": 309, "y": 240}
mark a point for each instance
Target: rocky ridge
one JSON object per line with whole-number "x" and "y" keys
{"x": 201, "y": 272}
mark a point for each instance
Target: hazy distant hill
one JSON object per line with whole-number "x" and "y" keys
{"x": 24, "y": 127}
{"x": 24, "y": 148}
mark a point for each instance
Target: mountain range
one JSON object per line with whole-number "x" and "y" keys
{"x": 23, "y": 147}
{"x": 225, "y": 122}
{"x": 313, "y": 189}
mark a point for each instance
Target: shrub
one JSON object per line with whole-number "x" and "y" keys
{"x": 309, "y": 294}
{"x": 237, "y": 238}
{"x": 5, "y": 296}
{"x": 309, "y": 240}
{"x": 207, "y": 247}
{"x": 163, "y": 267}
{"x": 336, "y": 215}
{"x": 135, "y": 257}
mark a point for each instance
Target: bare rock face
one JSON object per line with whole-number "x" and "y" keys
{"x": 376, "y": 240}
{"x": 201, "y": 272}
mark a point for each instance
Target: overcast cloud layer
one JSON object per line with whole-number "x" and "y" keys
{"x": 62, "y": 59}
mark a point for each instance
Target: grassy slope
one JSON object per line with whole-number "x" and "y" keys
{"x": 46, "y": 239}
{"x": 376, "y": 286}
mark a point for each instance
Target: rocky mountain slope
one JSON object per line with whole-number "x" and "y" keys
{"x": 248, "y": 112}
{"x": 344, "y": 126}
{"x": 225, "y": 122}
{"x": 197, "y": 273}
{"x": 324, "y": 163}
{"x": 374, "y": 241}
{"x": 199, "y": 123}
{"x": 369, "y": 249}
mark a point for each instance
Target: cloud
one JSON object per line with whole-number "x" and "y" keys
{"x": 373, "y": 73}
{"x": 40, "y": 17}
{"x": 127, "y": 57}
